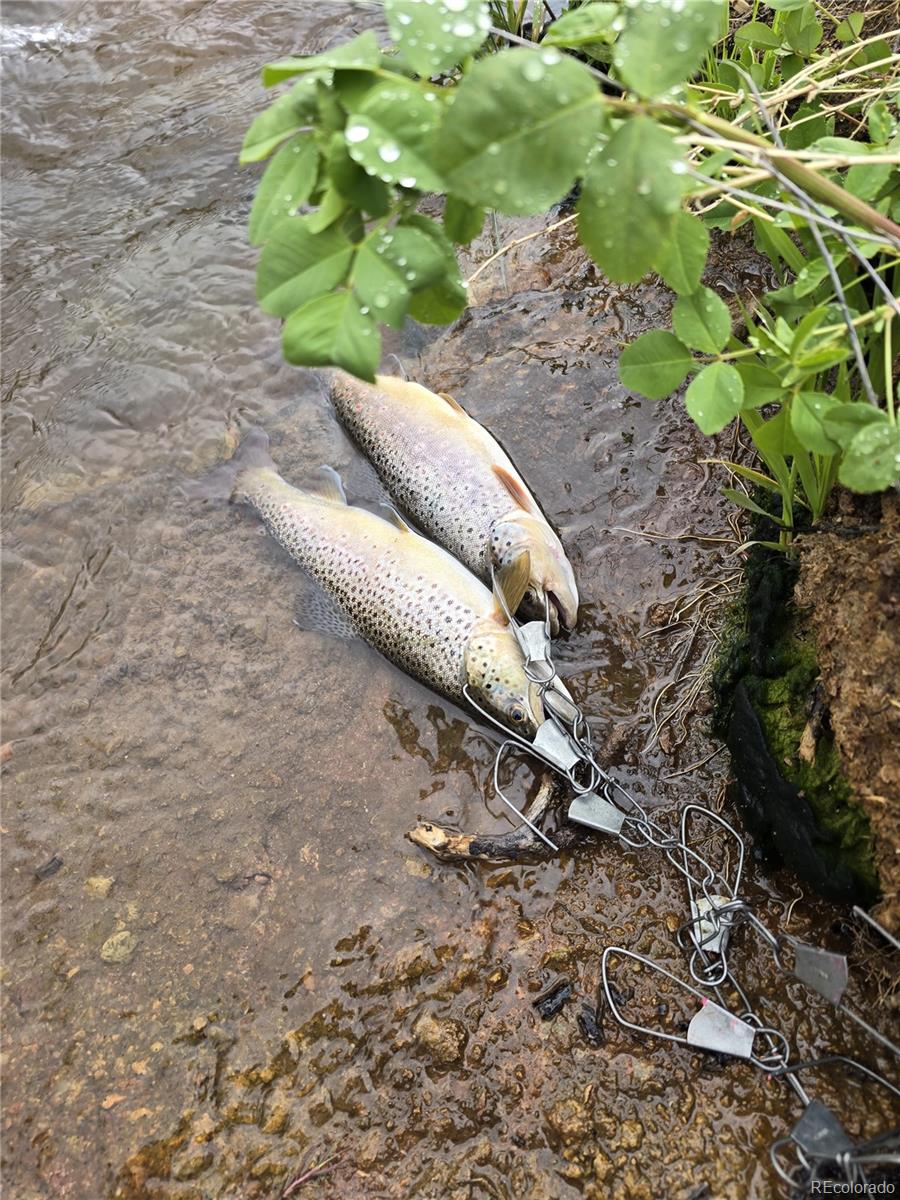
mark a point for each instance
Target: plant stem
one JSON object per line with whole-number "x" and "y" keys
{"x": 888, "y": 374}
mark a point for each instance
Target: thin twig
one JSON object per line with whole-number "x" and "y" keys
{"x": 781, "y": 206}
{"x": 528, "y": 237}
{"x": 693, "y": 767}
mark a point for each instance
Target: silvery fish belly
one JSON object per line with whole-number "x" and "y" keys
{"x": 458, "y": 485}
{"x": 407, "y": 597}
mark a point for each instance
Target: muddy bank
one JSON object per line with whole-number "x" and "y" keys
{"x": 849, "y": 585}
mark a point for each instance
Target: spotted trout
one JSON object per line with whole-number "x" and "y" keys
{"x": 455, "y": 481}
{"x": 404, "y": 595}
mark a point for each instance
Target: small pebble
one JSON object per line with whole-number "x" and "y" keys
{"x": 99, "y": 885}
{"x": 120, "y": 947}
{"x": 50, "y": 867}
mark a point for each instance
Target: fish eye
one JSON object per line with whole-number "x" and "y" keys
{"x": 517, "y": 714}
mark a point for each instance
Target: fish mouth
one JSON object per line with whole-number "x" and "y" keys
{"x": 557, "y": 614}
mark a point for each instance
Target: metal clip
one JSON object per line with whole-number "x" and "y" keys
{"x": 715, "y": 1028}
{"x": 534, "y": 643}
{"x": 708, "y": 931}
{"x": 819, "y": 1133}
{"x": 562, "y": 707}
{"x": 822, "y": 970}
{"x": 710, "y": 923}
{"x": 595, "y": 812}
{"x": 711, "y": 1028}
{"x": 556, "y": 746}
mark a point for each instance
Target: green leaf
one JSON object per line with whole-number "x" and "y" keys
{"x": 462, "y": 221}
{"x": 776, "y": 243}
{"x": 813, "y": 274}
{"x": 843, "y": 422}
{"x": 872, "y": 460}
{"x": 682, "y": 256}
{"x": 333, "y": 331}
{"x": 581, "y": 26}
{"x": 392, "y": 264}
{"x": 756, "y": 477}
{"x": 761, "y": 386}
{"x": 332, "y": 206}
{"x": 297, "y": 264}
{"x": 286, "y": 116}
{"x": 755, "y": 33}
{"x": 361, "y": 52}
{"x": 702, "y": 321}
{"x": 867, "y": 182}
{"x": 286, "y": 184}
{"x": 330, "y": 113}
{"x": 388, "y": 135}
{"x": 808, "y": 410}
{"x": 352, "y": 87}
{"x": 850, "y": 28}
{"x": 775, "y": 439}
{"x": 443, "y": 301}
{"x": 745, "y": 502}
{"x": 434, "y": 36}
{"x": 356, "y": 186}
{"x": 714, "y": 397}
{"x": 664, "y": 42}
{"x": 810, "y": 123}
{"x": 518, "y": 131}
{"x": 631, "y": 193}
{"x": 880, "y": 123}
{"x": 785, "y": 5}
{"x": 817, "y": 359}
{"x": 655, "y": 364}
{"x": 802, "y": 31}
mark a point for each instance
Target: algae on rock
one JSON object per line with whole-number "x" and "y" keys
{"x": 789, "y": 778}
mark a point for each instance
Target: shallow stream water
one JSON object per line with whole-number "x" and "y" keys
{"x": 229, "y": 793}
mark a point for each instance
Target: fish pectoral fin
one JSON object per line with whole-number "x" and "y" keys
{"x": 316, "y": 612}
{"x": 514, "y": 487}
{"x": 327, "y": 484}
{"x": 454, "y": 404}
{"x": 512, "y": 581}
{"x": 392, "y": 516}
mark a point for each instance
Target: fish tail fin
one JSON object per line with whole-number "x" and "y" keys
{"x": 228, "y": 480}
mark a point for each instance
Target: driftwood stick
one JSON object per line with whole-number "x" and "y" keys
{"x": 520, "y": 843}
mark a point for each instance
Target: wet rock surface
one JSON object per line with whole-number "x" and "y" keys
{"x": 247, "y": 785}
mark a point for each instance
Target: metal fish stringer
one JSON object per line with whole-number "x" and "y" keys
{"x": 818, "y": 1146}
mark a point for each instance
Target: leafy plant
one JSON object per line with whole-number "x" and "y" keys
{"x": 689, "y": 126}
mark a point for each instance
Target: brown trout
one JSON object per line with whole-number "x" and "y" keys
{"x": 407, "y": 597}
{"x": 458, "y": 485}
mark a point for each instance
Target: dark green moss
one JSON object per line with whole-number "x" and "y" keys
{"x": 783, "y": 703}
{"x": 767, "y": 645}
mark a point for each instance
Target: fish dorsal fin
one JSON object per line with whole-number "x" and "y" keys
{"x": 327, "y": 484}
{"x": 391, "y": 515}
{"x": 454, "y": 404}
{"x": 512, "y": 581}
{"x": 514, "y": 487}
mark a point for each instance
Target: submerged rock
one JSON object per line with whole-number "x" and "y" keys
{"x": 570, "y": 1120}
{"x": 442, "y": 1038}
